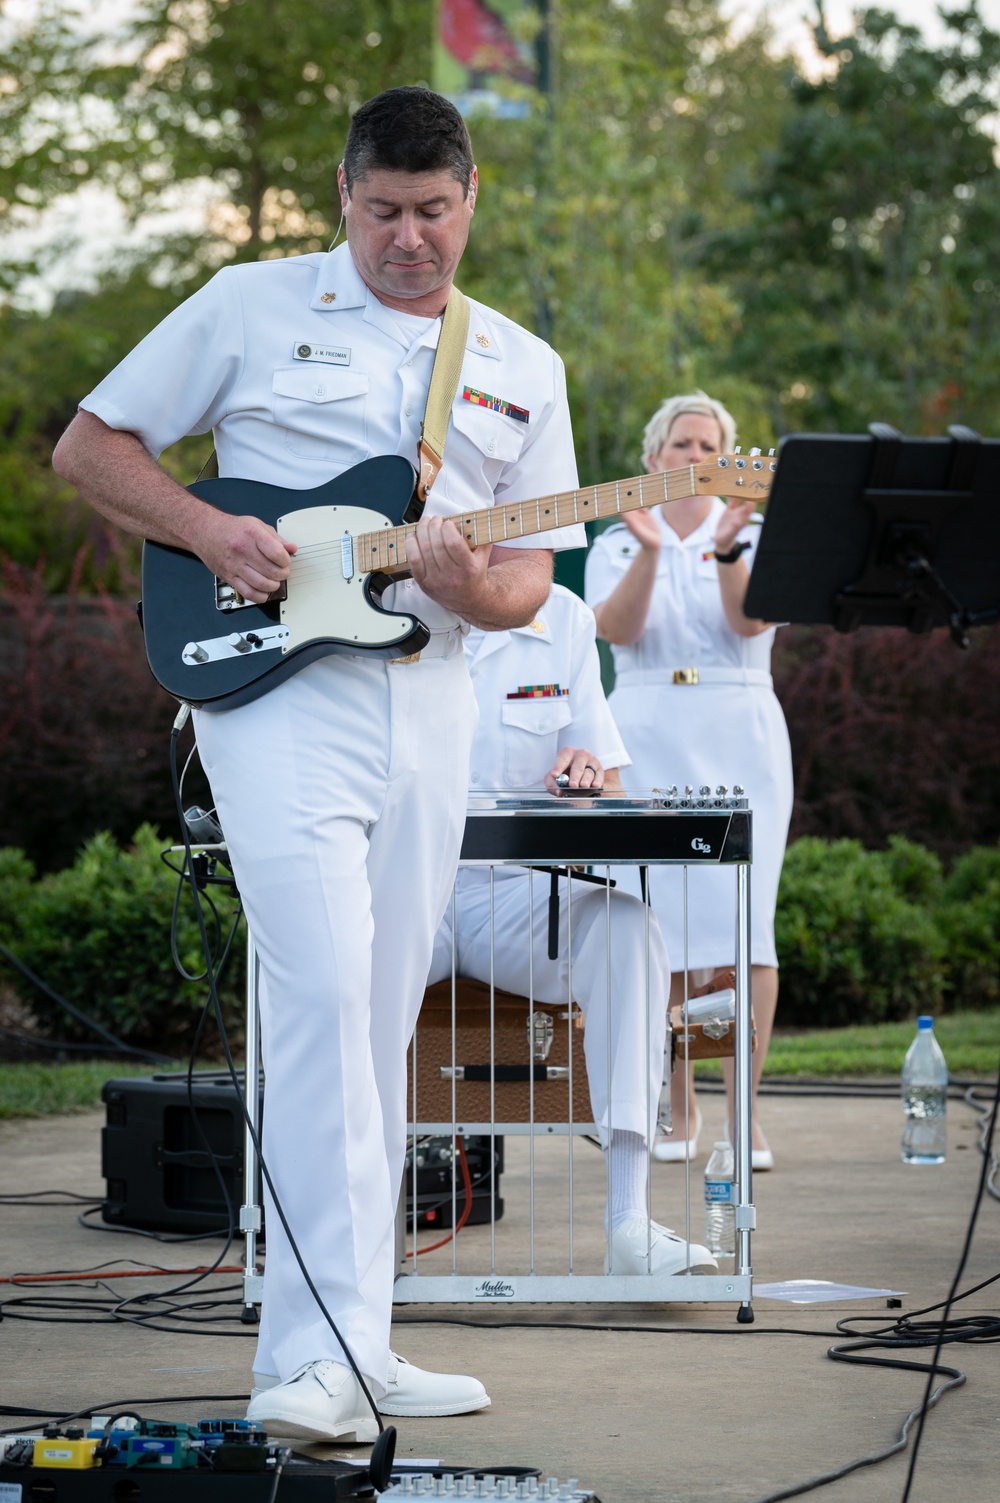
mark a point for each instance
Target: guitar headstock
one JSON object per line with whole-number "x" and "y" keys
{"x": 747, "y": 475}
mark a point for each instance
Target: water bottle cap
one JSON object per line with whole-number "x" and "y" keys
{"x": 925, "y": 1021}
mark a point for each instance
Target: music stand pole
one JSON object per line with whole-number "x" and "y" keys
{"x": 742, "y": 1092}
{"x": 250, "y": 1211}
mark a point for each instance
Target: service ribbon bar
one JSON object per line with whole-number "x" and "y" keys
{"x": 538, "y": 691}
{"x": 495, "y": 404}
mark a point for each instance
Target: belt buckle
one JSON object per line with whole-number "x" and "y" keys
{"x": 686, "y": 676}
{"x": 414, "y": 657}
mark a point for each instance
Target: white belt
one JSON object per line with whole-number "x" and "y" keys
{"x": 443, "y": 644}
{"x": 634, "y": 678}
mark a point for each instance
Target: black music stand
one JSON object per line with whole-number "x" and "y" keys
{"x": 880, "y": 530}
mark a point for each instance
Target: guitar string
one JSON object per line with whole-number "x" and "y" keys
{"x": 559, "y": 501}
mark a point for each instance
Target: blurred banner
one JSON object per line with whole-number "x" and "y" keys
{"x": 492, "y": 57}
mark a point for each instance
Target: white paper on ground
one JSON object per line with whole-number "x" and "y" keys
{"x": 817, "y": 1291}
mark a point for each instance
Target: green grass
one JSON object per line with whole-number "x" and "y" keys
{"x": 970, "y": 1040}
{"x": 42, "y": 1090}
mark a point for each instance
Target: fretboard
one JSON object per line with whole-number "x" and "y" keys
{"x": 386, "y": 551}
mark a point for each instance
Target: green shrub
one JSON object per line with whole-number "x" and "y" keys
{"x": 970, "y": 921}
{"x": 851, "y": 944}
{"x": 98, "y": 933}
{"x": 16, "y": 876}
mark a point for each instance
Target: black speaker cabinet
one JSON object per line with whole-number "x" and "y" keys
{"x": 158, "y": 1171}
{"x": 159, "y": 1174}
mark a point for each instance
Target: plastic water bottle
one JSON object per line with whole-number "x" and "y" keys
{"x": 720, "y": 1213}
{"x": 925, "y": 1098}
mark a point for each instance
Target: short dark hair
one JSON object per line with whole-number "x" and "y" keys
{"x": 408, "y": 129}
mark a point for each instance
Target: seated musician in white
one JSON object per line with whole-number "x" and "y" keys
{"x": 526, "y": 740}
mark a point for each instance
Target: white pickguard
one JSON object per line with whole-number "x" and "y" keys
{"x": 321, "y": 603}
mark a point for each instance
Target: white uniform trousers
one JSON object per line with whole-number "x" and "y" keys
{"x": 342, "y": 797}
{"x": 637, "y": 1029}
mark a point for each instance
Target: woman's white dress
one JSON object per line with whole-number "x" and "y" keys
{"x": 726, "y": 729}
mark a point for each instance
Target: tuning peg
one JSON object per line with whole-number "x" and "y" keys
{"x": 771, "y": 453}
{"x": 738, "y": 789}
{"x": 704, "y": 790}
{"x": 752, "y": 452}
{"x": 722, "y": 790}
{"x": 738, "y": 449}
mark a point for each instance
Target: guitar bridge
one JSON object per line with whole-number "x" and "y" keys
{"x": 229, "y": 599}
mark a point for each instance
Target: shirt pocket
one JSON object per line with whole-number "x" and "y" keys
{"x": 482, "y": 443}
{"x": 322, "y": 412}
{"x": 532, "y": 734}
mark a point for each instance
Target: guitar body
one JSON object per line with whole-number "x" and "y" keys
{"x": 205, "y": 645}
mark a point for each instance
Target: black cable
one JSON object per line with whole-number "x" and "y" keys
{"x": 123, "y": 1310}
{"x": 34, "y": 1198}
{"x": 179, "y": 723}
{"x": 61, "y": 1418}
{"x": 116, "y": 1044}
{"x": 579, "y": 1325}
{"x": 956, "y": 1380}
{"x": 986, "y": 1140}
{"x": 58, "y": 1046}
{"x": 138, "y": 1231}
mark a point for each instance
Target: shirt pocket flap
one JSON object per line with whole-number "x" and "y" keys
{"x": 543, "y": 716}
{"x": 318, "y": 383}
{"x": 494, "y": 435}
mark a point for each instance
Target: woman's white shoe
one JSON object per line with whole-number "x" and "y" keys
{"x": 761, "y": 1159}
{"x": 677, "y": 1150}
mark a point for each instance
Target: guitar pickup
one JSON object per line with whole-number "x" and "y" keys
{"x": 229, "y": 599}
{"x": 236, "y": 645}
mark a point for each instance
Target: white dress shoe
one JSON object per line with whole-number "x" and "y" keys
{"x": 676, "y": 1150}
{"x": 667, "y": 1252}
{"x": 322, "y": 1401}
{"x": 412, "y": 1392}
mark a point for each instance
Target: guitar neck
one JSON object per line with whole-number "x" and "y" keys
{"x": 385, "y": 551}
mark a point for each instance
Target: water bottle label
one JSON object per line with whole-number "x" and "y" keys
{"x": 718, "y": 1191}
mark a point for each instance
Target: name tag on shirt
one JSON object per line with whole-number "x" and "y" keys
{"x": 326, "y": 354}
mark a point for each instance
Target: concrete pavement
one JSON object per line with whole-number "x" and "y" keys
{"x": 657, "y": 1403}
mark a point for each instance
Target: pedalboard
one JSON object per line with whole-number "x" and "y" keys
{"x": 126, "y": 1459}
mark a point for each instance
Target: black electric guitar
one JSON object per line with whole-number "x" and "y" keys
{"x": 206, "y": 644}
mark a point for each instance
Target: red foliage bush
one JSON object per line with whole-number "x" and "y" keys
{"x": 893, "y": 734}
{"x": 84, "y": 729}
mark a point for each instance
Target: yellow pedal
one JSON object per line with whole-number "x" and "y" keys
{"x": 61, "y": 1451}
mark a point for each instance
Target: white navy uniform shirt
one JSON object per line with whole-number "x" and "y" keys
{"x": 686, "y": 626}
{"x": 231, "y": 359}
{"x": 518, "y": 739}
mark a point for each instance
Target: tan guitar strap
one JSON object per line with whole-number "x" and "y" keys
{"x": 441, "y": 393}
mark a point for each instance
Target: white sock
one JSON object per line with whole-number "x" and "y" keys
{"x": 628, "y": 1156}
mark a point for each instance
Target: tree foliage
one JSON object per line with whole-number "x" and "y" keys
{"x": 866, "y": 267}
{"x": 816, "y": 247}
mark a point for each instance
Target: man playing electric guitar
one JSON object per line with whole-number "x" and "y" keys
{"x": 342, "y": 791}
